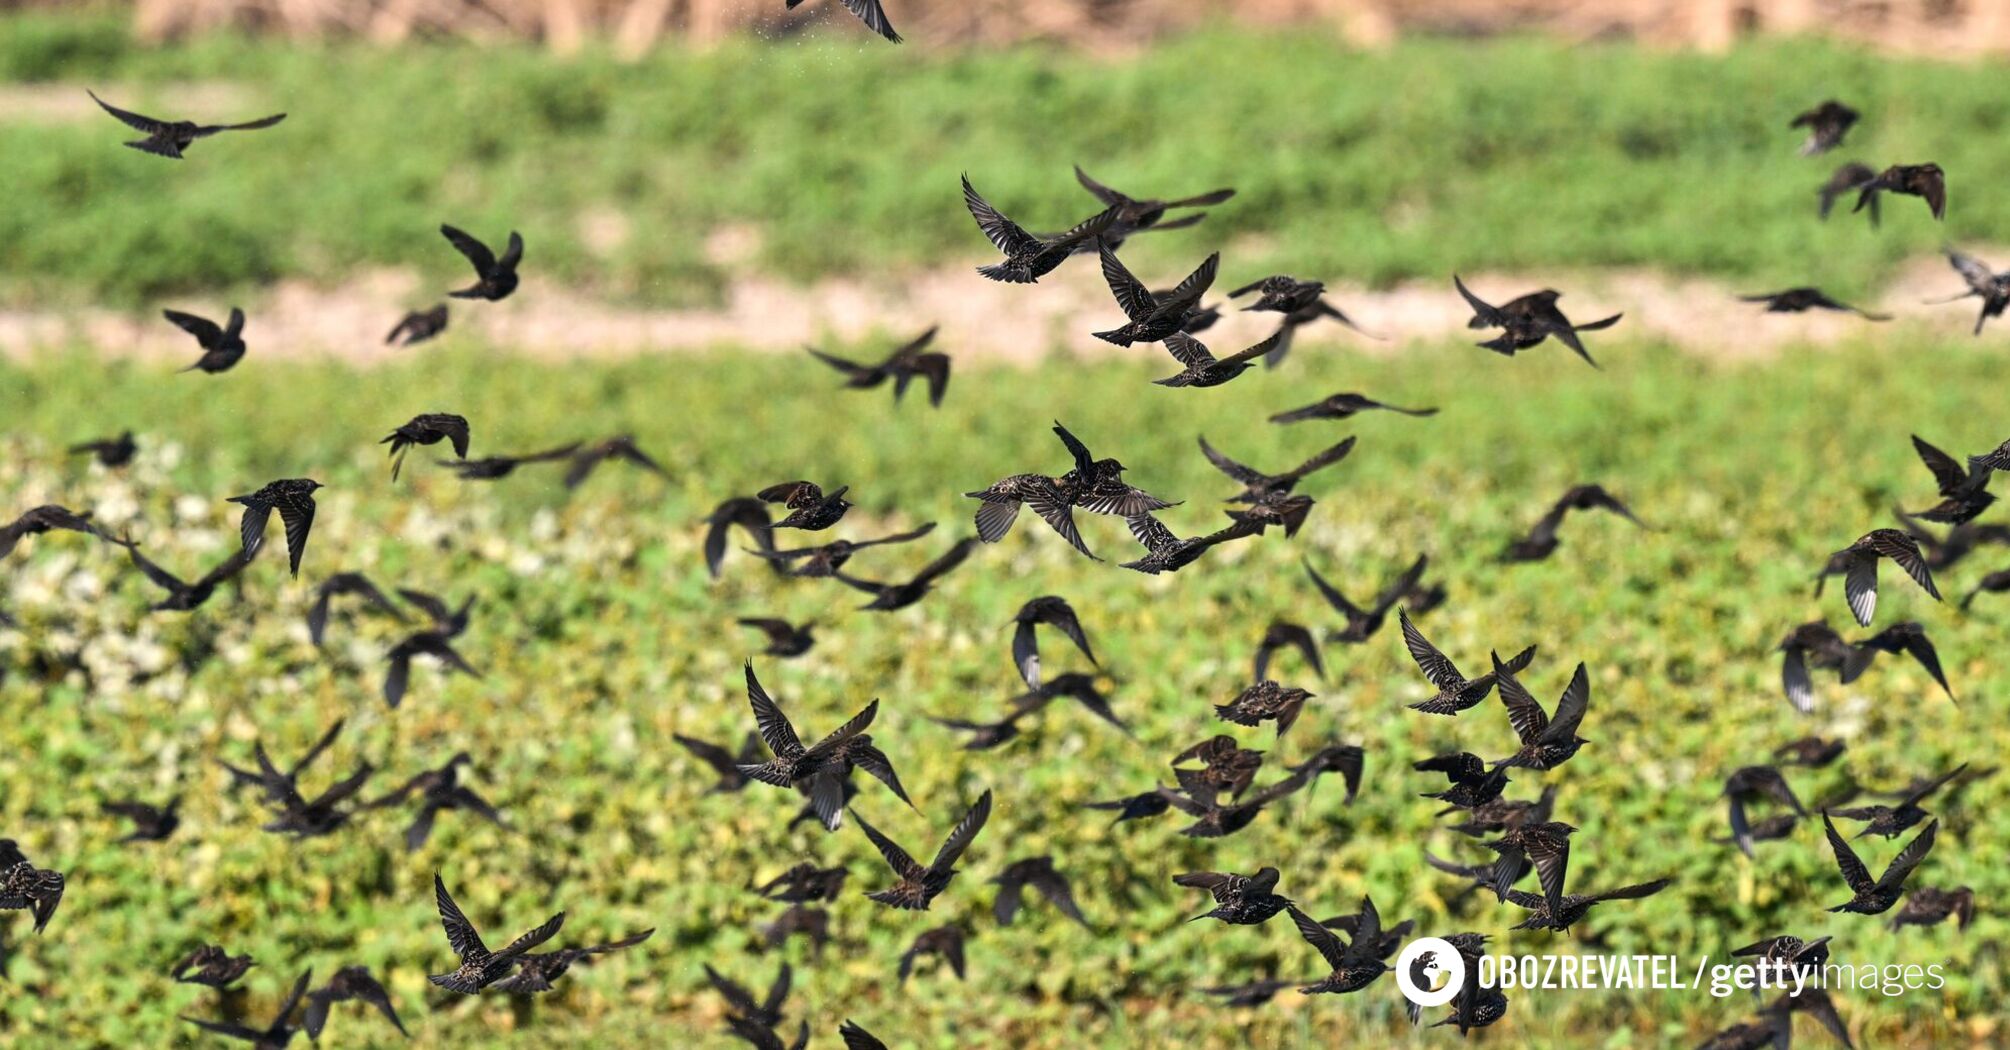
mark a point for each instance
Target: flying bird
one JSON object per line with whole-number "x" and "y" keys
{"x": 25, "y": 887}
{"x": 887, "y": 597}
{"x": 1812, "y": 751}
{"x": 1826, "y": 124}
{"x": 915, "y": 886}
{"x": 1028, "y": 258}
{"x": 1280, "y": 293}
{"x": 343, "y": 583}
{"x": 1284, "y": 635}
{"x": 1995, "y": 583}
{"x": 784, "y": 638}
{"x": 1542, "y": 541}
{"x": 1574, "y": 906}
{"x": 150, "y": 823}
{"x": 944, "y": 942}
{"x": 805, "y": 883}
{"x": 1991, "y": 287}
{"x": 1456, "y": 692}
{"x": 1240, "y": 900}
{"x": 1750, "y": 783}
{"x": 428, "y": 429}
{"x": 1166, "y": 552}
{"x": 1908, "y": 638}
{"x": 183, "y": 595}
{"x": 480, "y": 967}
{"x": 819, "y": 768}
{"x": 438, "y": 790}
{"x": 1344, "y": 406}
{"x": 1927, "y": 906}
{"x": 273, "y": 783}
{"x": 1845, "y": 180}
{"x": 1527, "y": 321}
{"x": 1227, "y": 768}
{"x": 620, "y": 447}
{"x": 293, "y": 498}
{"x": 1801, "y": 300}
{"x": 1200, "y": 368}
{"x": 1545, "y": 845}
{"x": 1363, "y": 623}
{"x": 1050, "y": 610}
{"x": 536, "y": 971}
{"x": 1876, "y": 896}
{"x": 1039, "y": 874}
{"x": 1265, "y": 701}
{"x": 1473, "y": 784}
{"x": 274, "y": 1035}
{"x": 909, "y": 361}
{"x": 1355, "y": 965}
{"x": 212, "y": 966}
{"x": 222, "y": 345}
{"x": 418, "y": 326}
{"x": 168, "y": 138}
{"x": 45, "y": 518}
{"x": 1891, "y": 821}
{"x": 1859, "y": 561}
{"x": 827, "y": 559}
{"x": 493, "y": 467}
{"x": 435, "y": 643}
{"x": 744, "y": 512}
{"x": 868, "y": 11}
{"x": 1144, "y": 213}
{"x": 1925, "y": 181}
{"x": 1546, "y": 742}
{"x": 1964, "y": 490}
{"x": 810, "y": 509}
{"x": 1154, "y": 317}
{"x": 1258, "y": 486}
{"x": 350, "y": 984}
{"x": 1095, "y": 485}
{"x": 494, "y": 278}
{"x": 1815, "y": 644}
{"x": 109, "y": 452}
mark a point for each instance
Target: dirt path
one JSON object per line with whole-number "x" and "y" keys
{"x": 979, "y": 319}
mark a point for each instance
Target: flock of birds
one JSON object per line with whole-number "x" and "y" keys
{"x": 1216, "y": 778}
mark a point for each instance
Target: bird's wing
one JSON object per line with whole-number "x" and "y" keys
{"x": 898, "y": 859}
{"x": 1570, "y": 708}
{"x": 1401, "y": 587}
{"x": 1319, "y": 937}
{"x": 1487, "y": 314}
{"x": 1436, "y": 665}
{"x": 1135, "y": 299}
{"x": 513, "y": 253}
{"x": 1236, "y": 471}
{"x": 1323, "y": 460}
{"x": 298, "y": 517}
{"x": 1905, "y": 552}
{"x": 534, "y": 938}
{"x": 1083, "y": 460}
{"x": 154, "y": 572}
{"x": 1524, "y": 713}
{"x": 1108, "y": 196}
{"x": 1270, "y": 343}
{"x": 775, "y": 728}
{"x": 461, "y": 935}
{"x": 962, "y": 835}
{"x": 1948, "y": 475}
{"x": 1853, "y": 871}
{"x": 206, "y": 331}
{"x": 874, "y": 16}
{"x": 1334, "y": 598}
{"x": 1908, "y": 858}
{"x": 1007, "y": 236}
{"x": 949, "y": 560}
{"x": 477, "y": 253}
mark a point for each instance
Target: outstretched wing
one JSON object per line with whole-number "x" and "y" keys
{"x": 461, "y": 935}
{"x": 776, "y": 731}
{"x": 1135, "y": 299}
{"x": 132, "y": 120}
{"x": 1007, "y": 236}
{"x": 962, "y": 835}
{"x": 1436, "y": 665}
{"x": 1853, "y": 871}
{"x": 898, "y": 859}
{"x": 477, "y": 253}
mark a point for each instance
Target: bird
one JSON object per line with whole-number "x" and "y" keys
{"x": 1826, "y": 124}
{"x": 350, "y": 983}
{"x": 1991, "y": 287}
{"x": 268, "y": 779}
{"x": 1392, "y": 938}
{"x": 1926, "y": 181}
{"x": 809, "y": 508}
{"x": 1876, "y": 896}
{"x": 1240, "y": 900}
{"x": 1344, "y": 406}
{"x": 944, "y": 942}
{"x": 1252, "y": 993}
{"x": 1800, "y": 300}
{"x": 1543, "y": 844}
{"x": 908, "y": 361}
{"x": 1473, "y": 784}
{"x": 1284, "y": 635}
{"x": 1166, "y": 552}
{"x": 109, "y": 452}
{"x": 418, "y": 326}
{"x": 435, "y": 643}
{"x": 150, "y": 823}
{"x": 805, "y": 883}
{"x": 493, "y": 467}
{"x": 293, "y": 498}
{"x": 621, "y": 447}
{"x": 1135, "y": 807}
{"x": 1527, "y": 321}
{"x": 1316, "y": 308}
{"x": 1075, "y": 686}
{"x": 339, "y": 584}
{"x": 740, "y": 1003}
{"x": 1890, "y": 821}
{"x": 1215, "y": 820}
{"x": 868, "y": 11}
{"x": 1363, "y": 623}
{"x": 915, "y": 886}
{"x": 1748, "y": 783}
{"x": 812, "y": 923}
{"x": 1786, "y": 955}
{"x": 827, "y": 559}
{"x": 1029, "y": 258}
{"x": 1815, "y": 644}
{"x": 1096, "y": 485}
{"x": 1280, "y": 293}
{"x": 222, "y": 345}
{"x": 857, "y": 1038}
{"x": 480, "y": 967}
{"x": 182, "y": 595}
{"x": 1772, "y": 1029}
{"x": 1504, "y": 813}
{"x": 1265, "y": 701}
{"x": 1050, "y": 610}
{"x": 745, "y": 512}
{"x": 428, "y": 429}
{"x": 819, "y": 767}
{"x": 1199, "y": 366}
{"x": 1456, "y": 692}
{"x": 1574, "y": 906}
{"x": 1356, "y": 964}
{"x": 1258, "y": 486}
{"x": 784, "y": 638}
{"x": 1994, "y": 583}
{"x": 25, "y": 887}
{"x": 211, "y": 965}
{"x": 1037, "y": 873}
{"x": 1809, "y": 751}
{"x": 762, "y": 1038}
{"x": 1859, "y": 561}
{"x": 1153, "y": 317}
{"x": 494, "y": 278}
{"x": 723, "y": 762}
{"x": 1144, "y": 213}
{"x": 1964, "y": 490}
{"x": 1928, "y": 906}
{"x": 887, "y": 597}
{"x": 1847, "y": 179}
{"x": 1227, "y": 768}
{"x": 1541, "y": 540}
{"x": 438, "y": 789}
{"x": 1908, "y": 638}
{"x": 275, "y": 1035}
{"x": 168, "y": 138}
{"x": 536, "y": 971}
{"x": 1344, "y": 759}
{"x": 1545, "y": 742}
{"x": 45, "y": 518}
{"x": 297, "y": 815}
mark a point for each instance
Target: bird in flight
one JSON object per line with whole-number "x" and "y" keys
{"x": 1826, "y": 124}
{"x": 819, "y": 769}
{"x": 211, "y": 965}
{"x": 428, "y": 429}
{"x": 110, "y": 452}
{"x": 418, "y": 326}
{"x": 621, "y": 447}
{"x": 1925, "y": 181}
{"x": 1859, "y": 563}
{"x": 1356, "y": 964}
{"x": 1527, "y": 321}
{"x": 915, "y": 886}
{"x": 1199, "y": 366}
{"x": 1343, "y": 406}
{"x": 1850, "y": 178}
{"x": 827, "y": 559}
{"x": 274, "y": 1035}
{"x": 1152, "y": 316}
{"x": 1991, "y": 287}
{"x": 222, "y": 345}
{"x": 1028, "y": 258}
{"x": 887, "y": 597}
{"x": 350, "y": 983}
{"x": 182, "y": 595}
{"x": 1095, "y": 485}
{"x": 1801, "y": 300}
{"x": 1053, "y": 611}
{"x": 344, "y": 583}
{"x": 293, "y": 498}
{"x": 25, "y": 887}
{"x": 1870, "y": 896}
{"x": 495, "y": 467}
{"x": 868, "y": 11}
{"x": 810, "y": 509}
{"x": 1542, "y": 541}
{"x": 902, "y": 366}
{"x": 168, "y": 138}
{"x": 480, "y": 967}
{"x": 1546, "y": 742}
{"x": 494, "y": 278}
{"x": 536, "y": 971}
{"x": 1135, "y": 214}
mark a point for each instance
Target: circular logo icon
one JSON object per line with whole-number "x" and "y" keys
{"x": 1417, "y": 970}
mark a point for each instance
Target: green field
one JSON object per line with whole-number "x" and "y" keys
{"x": 601, "y": 635}
{"x": 1434, "y": 156}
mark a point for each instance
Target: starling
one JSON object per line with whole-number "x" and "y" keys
{"x": 1165, "y": 552}
{"x": 272, "y": 783}
{"x": 1773, "y": 1029}
{"x": 150, "y": 823}
{"x": 723, "y": 762}
{"x": 1890, "y": 821}
{"x": 437, "y": 644}
{"x": 344, "y": 583}
{"x": 493, "y": 467}
{"x": 825, "y": 560}
{"x": 222, "y": 345}
{"x": 1135, "y": 807}
{"x": 168, "y": 138}
{"x": 1783, "y": 957}
{"x": 109, "y": 452}
{"x": 1816, "y": 644}
{"x": 273, "y": 1036}
{"x": 44, "y": 518}
{"x": 1574, "y": 906}
{"x": 1747, "y": 784}
{"x": 1826, "y": 124}
{"x": 494, "y": 278}
{"x": 1143, "y": 213}
{"x": 804, "y": 884}
{"x": 1200, "y": 368}
{"x": 1860, "y": 568}
{"x": 1456, "y": 692}
{"x": 24, "y": 887}
{"x": 297, "y": 815}
{"x": 1546, "y": 846}
{"x": 621, "y": 447}
{"x": 887, "y": 597}
{"x": 536, "y": 971}
{"x": 1994, "y": 583}
{"x": 1253, "y": 993}
{"x": 809, "y": 508}
{"x": 428, "y": 429}
{"x": 740, "y": 1003}
{"x": 1226, "y": 768}
{"x": 183, "y": 596}
{"x": 1527, "y": 321}
{"x": 480, "y": 967}
{"x": 1280, "y": 293}
{"x": 1266, "y": 701}
{"x": 1473, "y": 784}
{"x": 1927, "y": 906}
{"x": 1054, "y": 498}
{"x": 1542, "y": 541}
{"x": 1809, "y": 751}
{"x": 211, "y": 965}
{"x": 1355, "y": 965}
{"x": 1363, "y": 623}
{"x": 1873, "y": 897}
{"x": 915, "y": 886}
{"x": 819, "y": 768}
{"x": 1963, "y": 490}
{"x": 1258, "y": 486}
{"x": 945, "y": 942}
{"x": 1545, "y": 742}
{"x": 1991, "y": 287}
{"x": 1343, "y": 406}
{"x": 784, "y": 638}
{"x": 813, "y": 923}
{"x": 1028, "y": 258}
{"x": 350, "y": 983}
{"x": 868, "y": 11}
{"x": 1925, "y": 181}
{"x": 1240, "y": 900}
{"x": 1908, "y": 638}
{"x": 1847, "y": 179}
{"x": 1053, "y": 611}
{"x": 418, "y": 326}
{"x": 1283, "y": 635}
{"x": 747, "y": 513}
{"x": 1037, "y": 873}
{"x": 438, "y": 789}
{"x": 1214, "y": 820}
{"x": 1152, "y": 317}
{"x": 902, "y": 366}
{"x": 857, "y": 1038}
{"x": 1801, "y": 300}
{"x": 293, "y": 498}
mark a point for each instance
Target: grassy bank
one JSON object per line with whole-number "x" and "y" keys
{"x": 1431, "y": 157}
{"x": 600, "y": 636}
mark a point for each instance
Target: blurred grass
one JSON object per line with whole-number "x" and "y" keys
{"x": 600, "y": 636}
{"x": 1434, "y": 156}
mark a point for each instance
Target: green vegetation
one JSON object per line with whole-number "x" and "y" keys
{"x": 600, "y": 635}
{"x": 1438, "y": 155}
